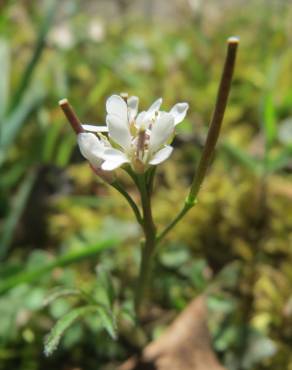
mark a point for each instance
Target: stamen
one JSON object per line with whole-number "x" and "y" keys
{"x": 153, "y": 119}
{"x": 141, "y": 143}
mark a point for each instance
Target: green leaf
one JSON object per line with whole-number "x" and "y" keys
{"x": 259, "y": 347}
{"x": 175, "y": 256}
{"x": 53, "y": 339}
{"x": 269, "y": 120}
{"x": 241, "y": 157}
{"x": 39, "y": 47}
{"x": 65, "y": 149}
{"x": 228, "y": 277}
{"x": 17, "y": 208}
{"x": 34, "y": 274}
{"x": 281, "y": 160}
{"x": 63, "y": 292}
{"x": 100, "y": 89}
{"x": 108, "y": 321}
{"x": 105, "y": 285}
{"x": 50, "y": 142}
{"x": 14, "y": 174}
{"x": 4, "y": 78}
{"x": 18, "y": 117}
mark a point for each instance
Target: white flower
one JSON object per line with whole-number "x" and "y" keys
{"x": 96, "y": 30}
{"x": 139, "y": 139}
{"x": 62, "y": 36}
{"x": 92, "y": 148}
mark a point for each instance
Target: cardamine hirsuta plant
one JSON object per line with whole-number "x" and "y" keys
{"x": 137, "y": 143}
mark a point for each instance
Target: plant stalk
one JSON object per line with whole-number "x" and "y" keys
{"x": 212, "y": 136}
{"x": 217, "y": 117}
{"x": 130, "y": 201}
{"x": 148, "y": 246}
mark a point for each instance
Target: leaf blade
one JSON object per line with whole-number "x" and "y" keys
{"x": 53, "y": 339}
{"x": 4, "y": 78}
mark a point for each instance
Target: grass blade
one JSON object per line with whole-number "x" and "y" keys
{"x": 33, "y": 275}
{"x": 14, "y": 122}
{"x": 15, "y": 213}
{"x": 4, "y": 78}
{"x": 39, "y": 47}
{"x": 108, "y": 322}
{"x": 241, "y": 157}
{"x": 269, "y": 120}
{"x": 60, "y": 293}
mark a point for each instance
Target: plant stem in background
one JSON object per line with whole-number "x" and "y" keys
{"x": 213, "y": 133}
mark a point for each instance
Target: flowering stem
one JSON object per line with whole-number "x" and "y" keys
{"x": 148, "y": 246}
{"x": 213, "y": 134}
{"x": 187, "y": 206}
{"x": 131, "y": 202}
{"x": 150, "y": 179}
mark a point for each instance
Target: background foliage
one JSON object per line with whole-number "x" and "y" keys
{"x": 58, "y": 221}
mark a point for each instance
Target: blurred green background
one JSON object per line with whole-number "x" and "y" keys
{"x": 58, "y": 221}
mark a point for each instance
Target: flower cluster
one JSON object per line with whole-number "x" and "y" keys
{"x": 140, "y": 139}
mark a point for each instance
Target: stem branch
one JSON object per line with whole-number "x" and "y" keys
{"x": 187, "y": 206}
{"x": 129, "y": 199}
{"x": 212, "y": 136}
{"x": 217, "y": 117}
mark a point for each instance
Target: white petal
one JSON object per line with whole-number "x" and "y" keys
{"x": 109, "y": 165}
{"x": 155, "y": 106}
{"x": 115, "y": 105}
{"x": 161, "y": 155}
{"x": 91, "y": 148}
{"x": 94, "y": 128}
{"x": 111, "y": 153}
{"x": 145, "y": 118}
{"x": 119, "y": 131}
{"x": 179, "y": 112}
{"x": 133, "y": 103}
{"x": 113, "y": 159}
{"x": 142, "y": 120}
{"x": 152, "y": 112}
{"x": 161, "y": 131}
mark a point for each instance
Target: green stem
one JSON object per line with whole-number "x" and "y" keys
{"x": 213, "y": 134}
{"x": 187, "y": 206}
{"x": 131, "y": 202}
{"x": 148, "y": 247}
{"x": 144, "y": 182}
{"x": 217, "y": 117}
{"x": 150, "y": 179}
